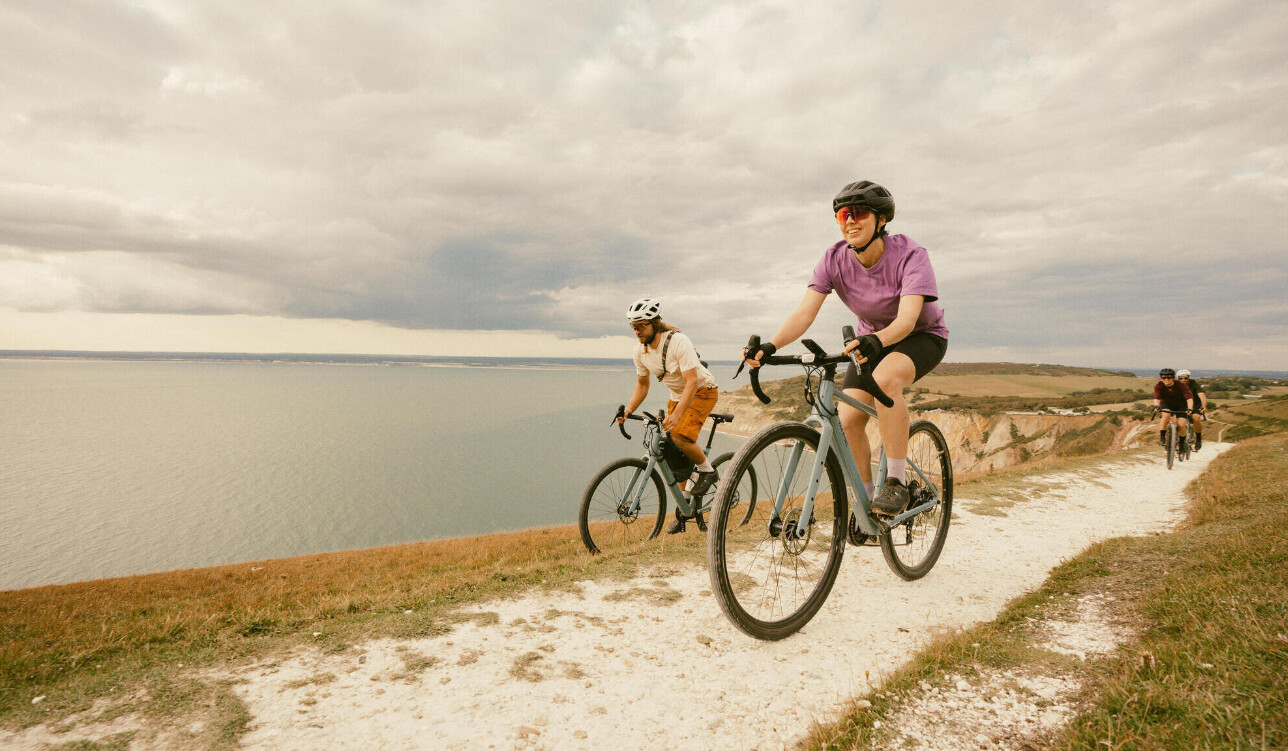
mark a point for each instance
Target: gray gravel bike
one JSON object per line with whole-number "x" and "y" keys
{"x": 1176, "y": 446}
{"x": 773, "y": 561}
{"x": 625, "y": 505}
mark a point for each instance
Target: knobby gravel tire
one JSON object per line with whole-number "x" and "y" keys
{"x": 766, "y": 581}
{"x": 912, "y": 548}
{"x": 604, "y": 524}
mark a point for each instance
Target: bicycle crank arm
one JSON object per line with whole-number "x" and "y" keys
{"x": 905, "y": 516}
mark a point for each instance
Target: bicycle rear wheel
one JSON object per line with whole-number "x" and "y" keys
{"x": 607, "y": 522}
{"x": 767, "y": 580}
{"x": 912, "y": 548}
{"x": 744, "y": 491}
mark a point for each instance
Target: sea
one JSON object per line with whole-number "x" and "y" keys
{"x": 153, "y": 462}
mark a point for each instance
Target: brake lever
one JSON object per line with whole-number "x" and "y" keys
{"x": 621, "y": 412}
{"x": 753, "y": 344}
{"x": 866, "y": 381}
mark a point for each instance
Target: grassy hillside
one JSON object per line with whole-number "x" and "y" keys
{"x": 1209, "y": 666}
{"x": 138, "y": 641}
{"x": 984, "y": 387}
{"x": 1250, "y": 418}
{"x": 1014, "y": 368}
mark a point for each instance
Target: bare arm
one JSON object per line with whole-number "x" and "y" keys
{"x": 909, "y": 311}
{"x": 902, "y": 325}
{"x": 637, "y": 396}
{"x": 800, "y": 319}
{"x": 797, "y": 323}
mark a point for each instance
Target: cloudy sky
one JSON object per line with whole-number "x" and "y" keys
{"x": 1098, "y": 183}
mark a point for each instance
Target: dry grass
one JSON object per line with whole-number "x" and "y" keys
{"x": 1025, "y": 385}
{"x": 80, "y": 642}
{"x": 1210, "y": 602}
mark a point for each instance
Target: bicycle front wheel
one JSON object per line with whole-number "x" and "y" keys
{"x": 1171, "y": 445}
{"x": 912, "y": 548}
{"x": 610, "y": 519}
{"x": 772, "y": 570}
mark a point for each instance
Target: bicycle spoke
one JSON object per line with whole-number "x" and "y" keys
{"x": 912, "y": 548}
{"x": 622, "y": 508}
{"x": 773, "y": 581}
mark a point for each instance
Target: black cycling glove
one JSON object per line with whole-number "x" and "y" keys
{"x": 766, "y": 349}
{"x": 870, "y": 346}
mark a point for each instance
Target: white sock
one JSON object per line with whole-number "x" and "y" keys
{"x": 870, "y": 487}
{"x": 705, "y": 466}
{"x": 897, "y": 469}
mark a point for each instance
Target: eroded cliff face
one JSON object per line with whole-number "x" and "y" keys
{"x": 981, "y": 443}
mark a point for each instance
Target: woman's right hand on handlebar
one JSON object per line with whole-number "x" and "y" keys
{"x": 753, "y": 359}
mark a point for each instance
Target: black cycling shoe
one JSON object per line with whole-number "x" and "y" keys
{"x": 892, "y": 499}
{"x": 676, "y": 526}
{"x": 680, "y": 523}
{"x": 703, "y": 482}
{"x": 1198, "y": 442}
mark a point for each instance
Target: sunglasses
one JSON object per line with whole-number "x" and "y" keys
{"x": 853, "y": 213}
{"x": 1168, "y": 378}
{"x": 641, "y": 325}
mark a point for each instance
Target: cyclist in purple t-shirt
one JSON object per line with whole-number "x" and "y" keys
{"x": 885, "y": 280}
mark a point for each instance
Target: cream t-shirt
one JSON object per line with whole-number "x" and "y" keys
{"x": 680, "y": 356}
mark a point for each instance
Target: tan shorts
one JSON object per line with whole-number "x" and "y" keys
{"x": 700, "y": 406}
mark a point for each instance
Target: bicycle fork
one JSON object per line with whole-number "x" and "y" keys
{"x": 802, "y": 524}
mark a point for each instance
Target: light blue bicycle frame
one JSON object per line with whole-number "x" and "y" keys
{"x": 831, "y": 437}
{"x": 635, "y": 491}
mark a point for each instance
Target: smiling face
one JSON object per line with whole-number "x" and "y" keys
{"x": 857, "y": 223}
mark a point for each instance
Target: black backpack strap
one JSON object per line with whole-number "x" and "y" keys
{"x": 665, "y": 343}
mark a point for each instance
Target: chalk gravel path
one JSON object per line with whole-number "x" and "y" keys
{"x": 653, "y": 664}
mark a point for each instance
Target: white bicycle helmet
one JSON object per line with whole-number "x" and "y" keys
{"x": 1182, "y": 373}
{"x": 644, "y": 309}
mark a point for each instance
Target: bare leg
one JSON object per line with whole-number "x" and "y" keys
{"x": 855, "y": 425}
{"x": 895, "y": 373}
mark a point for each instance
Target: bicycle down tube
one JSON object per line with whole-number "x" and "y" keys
{"x": 636, "y": 494}
{"x": 828, "y": 424}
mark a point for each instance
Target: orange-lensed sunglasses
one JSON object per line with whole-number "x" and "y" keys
{"x": 855, "y": 213}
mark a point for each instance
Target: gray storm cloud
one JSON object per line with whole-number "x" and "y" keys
{"x": 1081, "y": 175}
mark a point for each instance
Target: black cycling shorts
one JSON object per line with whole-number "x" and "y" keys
{"x": 925, "y": 350}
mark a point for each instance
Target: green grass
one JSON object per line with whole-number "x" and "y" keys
{"x": 1211, "y": 603}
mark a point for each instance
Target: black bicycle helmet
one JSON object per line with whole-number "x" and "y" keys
{"x": 866, "y": 193}
{"x": 1167, "y": 373}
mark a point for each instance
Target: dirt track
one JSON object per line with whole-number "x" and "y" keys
{"x": 654, "y": 664}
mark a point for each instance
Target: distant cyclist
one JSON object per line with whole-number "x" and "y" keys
{"x": 1200, "y": 405}
{"x": 886, "y": 280}
{"x": 1169, "y": 394}
{"x": 666, "y": 354}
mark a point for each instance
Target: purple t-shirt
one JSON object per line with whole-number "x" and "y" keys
{"x": 873, "y": 294}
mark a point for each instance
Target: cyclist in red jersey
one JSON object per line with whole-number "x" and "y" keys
{"x": 1169, "y": 394}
